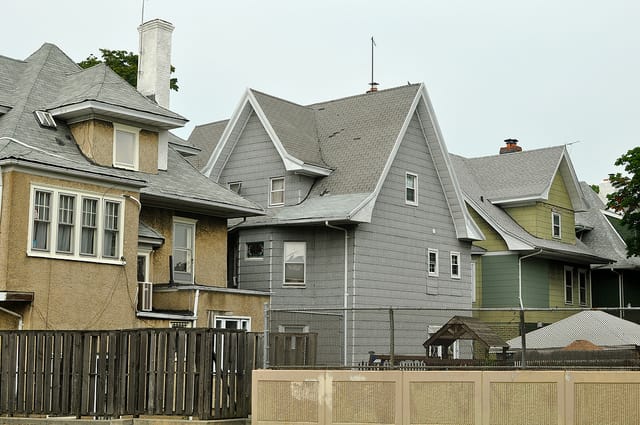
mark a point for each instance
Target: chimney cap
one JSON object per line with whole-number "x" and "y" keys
{"x": 511, "y": 146}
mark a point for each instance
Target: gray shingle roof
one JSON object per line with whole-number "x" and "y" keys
{"x": 205, "y": 137}
{"x": 603, "y": 238}
{"x": 476, "y": 196}
{"x": 598, "y": 327}
{"x": 517, "y": 175}
{"x": 48, "y": 77}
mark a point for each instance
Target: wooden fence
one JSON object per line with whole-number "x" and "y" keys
{"x": 204, "y": 373}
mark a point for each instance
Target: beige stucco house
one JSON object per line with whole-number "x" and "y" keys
{"x": 103, "y": 223}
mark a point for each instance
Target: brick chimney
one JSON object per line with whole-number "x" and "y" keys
{"x": 511, "y": 146}
{"x": 154, "y": 62}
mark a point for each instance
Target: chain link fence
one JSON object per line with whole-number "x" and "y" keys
{"x": 473, "y": 337}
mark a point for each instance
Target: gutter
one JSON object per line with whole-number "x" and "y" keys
{"x": 346, "y": 282}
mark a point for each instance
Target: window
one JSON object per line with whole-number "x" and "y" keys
{"x": 111, "y": 229}
{"x": 432, "y": 262}
{"x": 568, "y": 285}
{"x": 89, "y": 226}
{"x": 235, "y": 187}
{"x": 41, "y": 220}
{"x": 183, "y": 249}
{"x": 125, "y": 146}
{"x": 455, "y": 265}
{"x": 411, "y": 189}
{"x": 75, "y": 225}
{"x": 231, "y": 322}
{"x": 255, "y": 250}
{"x": 582, "y": 287}
{"x": 276, "y": 192}
{"x": 65, "y": 223}
{"x": 295, "y": 254}
{"x": 145, "y": 291}
{"x": 556, "y": 222}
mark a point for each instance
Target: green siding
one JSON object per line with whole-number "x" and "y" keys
{"x": 535, "y": 283}
{"x": 493, "y": 241}
{"x": 500, "y": 281}
{"x": 558, "y": 194}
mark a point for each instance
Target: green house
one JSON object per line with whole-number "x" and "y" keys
{"x": 525, "y": 203}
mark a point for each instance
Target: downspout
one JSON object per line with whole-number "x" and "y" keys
{"x": 195, "y": 308}
{"x": 620, "y": 292}
{"x": 520, "y": 275}
{"x": 346, "y": 282}
{"x": 14, "y": 314}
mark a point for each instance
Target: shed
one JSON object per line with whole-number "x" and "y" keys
{"x": 463, "y": 327}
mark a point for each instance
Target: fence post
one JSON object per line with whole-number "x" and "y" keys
{"x": 392, "y": 342}
{"x": 523, "y": 340}
{"x": 265, "y": 345}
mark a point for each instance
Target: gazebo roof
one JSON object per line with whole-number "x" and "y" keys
{"x": 462, "y": 327}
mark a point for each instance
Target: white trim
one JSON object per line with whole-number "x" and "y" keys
{"x": 136, "y": 146}
{"x": 75, "y": 255}
{"x": 564, "y": 285}
{"x": 436, "y": 265}
{"x": 455, "y": 254}
{"x": 414, "y": 188}
{"x": 238, "y": 319}
{"x": 474, "y": 280}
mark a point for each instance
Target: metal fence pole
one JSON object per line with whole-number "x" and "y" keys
{"x": 523, "y": 340}
{"x": 392, "y": 342}
{"x": 265, "y": 345}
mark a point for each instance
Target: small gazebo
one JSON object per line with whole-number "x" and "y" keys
{"x": 462, "y": 327}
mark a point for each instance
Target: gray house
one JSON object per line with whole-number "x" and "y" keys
{"x": 363, "y": 211}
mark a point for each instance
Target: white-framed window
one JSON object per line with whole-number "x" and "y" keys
{"x": 295, "y": 260}
{"x": 125, "y": 146}
{"x": 276, "y": 191}
{"x": 432, "y": 262}
{"x": 235, "y": 187}
{"x": 184, "y": 239}
{"x": 255, "y": 250}
{"x": 411, "y": 189}
{"x": 231, "y": 322}
{"x": 145, "y": 294}
{"x": 75, "y": 225}
{"x": 556, "y": 225}
{"x": 568, "y": 285}
{"x": 455, "y": 265}
{"x": 582, "y": 286}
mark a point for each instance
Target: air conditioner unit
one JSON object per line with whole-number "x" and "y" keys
{"x": 147, "y": 296}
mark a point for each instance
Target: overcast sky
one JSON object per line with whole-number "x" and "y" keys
{"x": 546, "y": 72}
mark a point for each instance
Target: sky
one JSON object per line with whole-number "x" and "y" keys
{"x": 545, "y": 72}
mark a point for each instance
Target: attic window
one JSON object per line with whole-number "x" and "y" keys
{"x": 235, "y": 187}
{"x": 45, "y": 119}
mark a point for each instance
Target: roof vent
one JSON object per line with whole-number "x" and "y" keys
{"x": 511, "y": 146}
{"x": 45, "y": 119}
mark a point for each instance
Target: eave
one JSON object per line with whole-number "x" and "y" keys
{"x": 93, "y": 109}
{"x": 199, "y": 206}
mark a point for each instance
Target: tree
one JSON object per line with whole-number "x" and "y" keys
{"x": 123, "y": 63}
{"x": 626, "y": 198}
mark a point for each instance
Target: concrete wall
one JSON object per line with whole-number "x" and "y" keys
{"x": 452, "y": 397}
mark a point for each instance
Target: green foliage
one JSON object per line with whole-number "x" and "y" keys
{"x": 595, "y": 188}
{"x": 626, "y": 198}
{"x": 123, "y": 63}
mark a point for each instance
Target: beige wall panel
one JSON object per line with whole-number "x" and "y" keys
{"x": 524, "y": 398}
{"x": 70, "y": 294}
{"x": 148, "y": 156}
{"x": 5, "y": 227}
{"x": 233, "y": 304}
{"x": 95, "y": 140}
{"x": 176, "y": 300}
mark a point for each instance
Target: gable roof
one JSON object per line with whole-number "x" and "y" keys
{"x": 205, "y": 137}
{"x": 465, "y": 327}
{"x": 600, "y": 235}
{"x": 350, "y": 143}
{"x": 49, "y": 78}
{"x": 597, "y": 327}
{"x": 515, "y": 237}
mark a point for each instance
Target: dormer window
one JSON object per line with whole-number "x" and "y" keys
{"x": 125, "y": 146}
{"x": 276, "y": 191}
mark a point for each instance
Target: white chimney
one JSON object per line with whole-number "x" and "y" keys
{"x": 154, "y": 62}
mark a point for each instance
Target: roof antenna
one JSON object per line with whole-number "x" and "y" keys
{"x": 142, "y": 16}
{"x": 373, "y": 84}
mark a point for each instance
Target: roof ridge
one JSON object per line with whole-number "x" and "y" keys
{"x": 498, "y": 155}
{"x": 362, "y": 94}
{"x": 278, "y": 98}
{"x": 211, "y": 123}
{"x": 12, "y": 59}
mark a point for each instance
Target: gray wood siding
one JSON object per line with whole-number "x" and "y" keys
{"x": 254, "y": 161}
{"x": 391, "y": 251}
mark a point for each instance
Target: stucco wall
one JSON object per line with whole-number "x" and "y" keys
{"x": 68, "y": 294}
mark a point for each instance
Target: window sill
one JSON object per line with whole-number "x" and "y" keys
{"x": 71, "y": 257}
{"x": 294, "y": 285}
